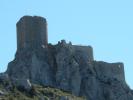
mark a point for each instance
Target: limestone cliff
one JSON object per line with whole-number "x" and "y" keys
{"x": 65, "y": 66}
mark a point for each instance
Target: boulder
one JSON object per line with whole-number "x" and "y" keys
{"x": 22, "y": 84}
{"x": 2, "y": 93}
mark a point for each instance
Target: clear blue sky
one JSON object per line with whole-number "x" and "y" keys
{"x": 106, "y": 25}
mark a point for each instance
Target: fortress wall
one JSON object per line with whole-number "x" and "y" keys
{"x": 87, "y": 50}
{"x": 110, "y": 70}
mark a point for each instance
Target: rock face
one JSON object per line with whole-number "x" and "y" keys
{"x": 65, "y": 66}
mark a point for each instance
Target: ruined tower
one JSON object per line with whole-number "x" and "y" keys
{"x": 32, "y": 32}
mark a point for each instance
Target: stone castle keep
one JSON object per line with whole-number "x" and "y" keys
{"x": 64, "y": 66}
{"x": 31, "y": 32}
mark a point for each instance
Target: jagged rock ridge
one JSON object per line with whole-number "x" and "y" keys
{"x": 65, "y": 66}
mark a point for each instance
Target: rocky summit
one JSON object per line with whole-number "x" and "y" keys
{"x": 40, "y": 68}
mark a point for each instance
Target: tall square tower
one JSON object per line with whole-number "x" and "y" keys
{"x": 31, "y": 32}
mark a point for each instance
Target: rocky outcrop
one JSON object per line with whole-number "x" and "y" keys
{"x": 62, "y": 66}
{"x": 71, "y": 68}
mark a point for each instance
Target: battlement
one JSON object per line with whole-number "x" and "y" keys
{"x": 31, "y": 32}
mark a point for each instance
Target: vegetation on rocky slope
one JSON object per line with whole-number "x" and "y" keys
{"x": 36, "y": 93}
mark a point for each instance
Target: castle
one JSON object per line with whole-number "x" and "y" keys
{"x": 64, "y": 65}
{"x": 32, "y": 33}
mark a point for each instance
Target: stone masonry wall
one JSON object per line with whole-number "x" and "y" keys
{"x": 31, "y": 32}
